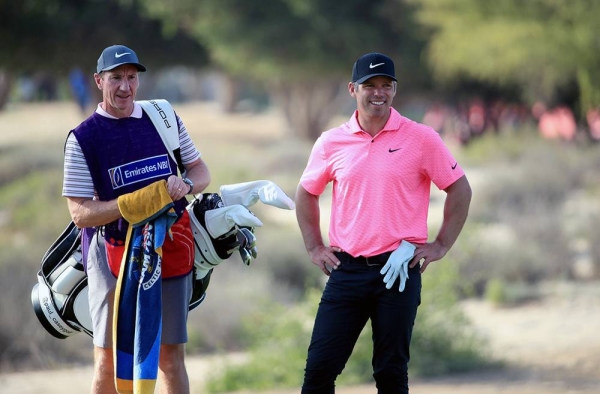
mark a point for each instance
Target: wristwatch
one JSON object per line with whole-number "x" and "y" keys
{"x": 189, "y": 182}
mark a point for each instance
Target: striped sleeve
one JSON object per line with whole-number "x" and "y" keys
{"x": 77, "y": 181}
{"x": 188, "y": 150}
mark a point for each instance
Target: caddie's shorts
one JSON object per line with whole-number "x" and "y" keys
{"x": 176, "y": 294}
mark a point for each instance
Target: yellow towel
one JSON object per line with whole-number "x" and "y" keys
{"x": 144, "y": 204}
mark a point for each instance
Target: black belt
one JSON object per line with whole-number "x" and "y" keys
{"x": 370, "y": 261}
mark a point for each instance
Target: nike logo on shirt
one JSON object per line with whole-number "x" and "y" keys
{"x": 393, "y": 150}
{"x": 454, "y": 166}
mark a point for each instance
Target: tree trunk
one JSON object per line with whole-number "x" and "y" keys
{"x": 229, "y": 93}
{"x": 5, "y": 86}
{"x": 308, "y": 107}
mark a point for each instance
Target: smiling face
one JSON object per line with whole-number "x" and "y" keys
{"x": 374, "y": 98}
{"x": 119, "y": 87}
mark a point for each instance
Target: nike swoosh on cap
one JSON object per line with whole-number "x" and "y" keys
{"x": 118, "y": 55}
{"x": 371, "y": 65}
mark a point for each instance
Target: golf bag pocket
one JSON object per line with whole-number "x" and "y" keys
{"x": 60, "y": 298}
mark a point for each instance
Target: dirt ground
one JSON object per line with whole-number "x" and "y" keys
{"x": 550, "y": 346}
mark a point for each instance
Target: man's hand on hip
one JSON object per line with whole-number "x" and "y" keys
{"x": 323, "y": 257}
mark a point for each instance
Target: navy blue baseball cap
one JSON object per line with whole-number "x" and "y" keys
{"x": 117, "y": 55}
{"x": 372, "y": 65}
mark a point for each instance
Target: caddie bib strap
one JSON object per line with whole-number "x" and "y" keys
{"x": 161, "y": 113}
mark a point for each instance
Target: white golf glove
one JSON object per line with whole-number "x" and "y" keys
{"x": 248, "y": 193}
{"x": 397, "y": 265}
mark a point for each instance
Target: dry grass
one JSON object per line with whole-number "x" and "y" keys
{"x": 551, "y": 342}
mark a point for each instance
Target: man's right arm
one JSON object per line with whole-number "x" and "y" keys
{"x": 87, "y": 212}
{"x": 308, "y": 215}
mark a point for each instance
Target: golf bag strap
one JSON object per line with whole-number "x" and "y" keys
{"x": 163, "y": 116}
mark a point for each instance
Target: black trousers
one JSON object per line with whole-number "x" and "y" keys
{"x": 355, "y": 293}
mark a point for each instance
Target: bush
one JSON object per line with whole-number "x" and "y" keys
{"x": 443, "y": 341}
{"x": 525, "y": 217}
{"x": 495, "y": 291}
{"x": 277, "y": 336}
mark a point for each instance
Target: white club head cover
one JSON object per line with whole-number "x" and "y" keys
{"x": 397, "y": 265}
{"x": 248, "y": 193}
{"x": 221, "y": 220}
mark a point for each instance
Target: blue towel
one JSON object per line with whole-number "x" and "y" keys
{"x": 137, "y": 324}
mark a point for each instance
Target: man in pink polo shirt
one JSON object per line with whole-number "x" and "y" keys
{"x": 381, "y": 165}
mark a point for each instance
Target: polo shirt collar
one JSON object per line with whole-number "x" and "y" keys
{"x": 393, "y": 122}
{"x": 137, "y": 112}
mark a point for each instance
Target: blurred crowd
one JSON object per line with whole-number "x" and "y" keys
{"x": 460, "y": 122}
{"x": 471, "y": 119}
{"x": 43, "y": 86}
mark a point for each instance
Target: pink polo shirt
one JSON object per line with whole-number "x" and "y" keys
{"x": 381, "y": 184}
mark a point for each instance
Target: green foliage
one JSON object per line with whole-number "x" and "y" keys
{"x": 495, "y": 291}
{"x": 59, "y": 34}
{"x": 492, "y": 148}
{"x": 278, "y": 337}
{"x": 502, "y": 293}
{"x": 283, "y": 40}
{"x": 301, "y": 50}
{"x": 541, "y": 44}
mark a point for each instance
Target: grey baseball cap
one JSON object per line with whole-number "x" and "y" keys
{"x": 372, "y": 65}
{"x": 117, "y": 55}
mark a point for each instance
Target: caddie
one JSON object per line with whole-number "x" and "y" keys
{"x": 116, "y": 151}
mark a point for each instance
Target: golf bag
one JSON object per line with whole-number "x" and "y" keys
{"x": 60, "y": 296}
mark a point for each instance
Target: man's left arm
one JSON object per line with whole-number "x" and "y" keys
{"x": 456, "y": 210}
{"x": 197, "y": 172}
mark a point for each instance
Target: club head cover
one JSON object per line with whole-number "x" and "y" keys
{"x": 220, "y": 221}
{"x": 249, "y": 193}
